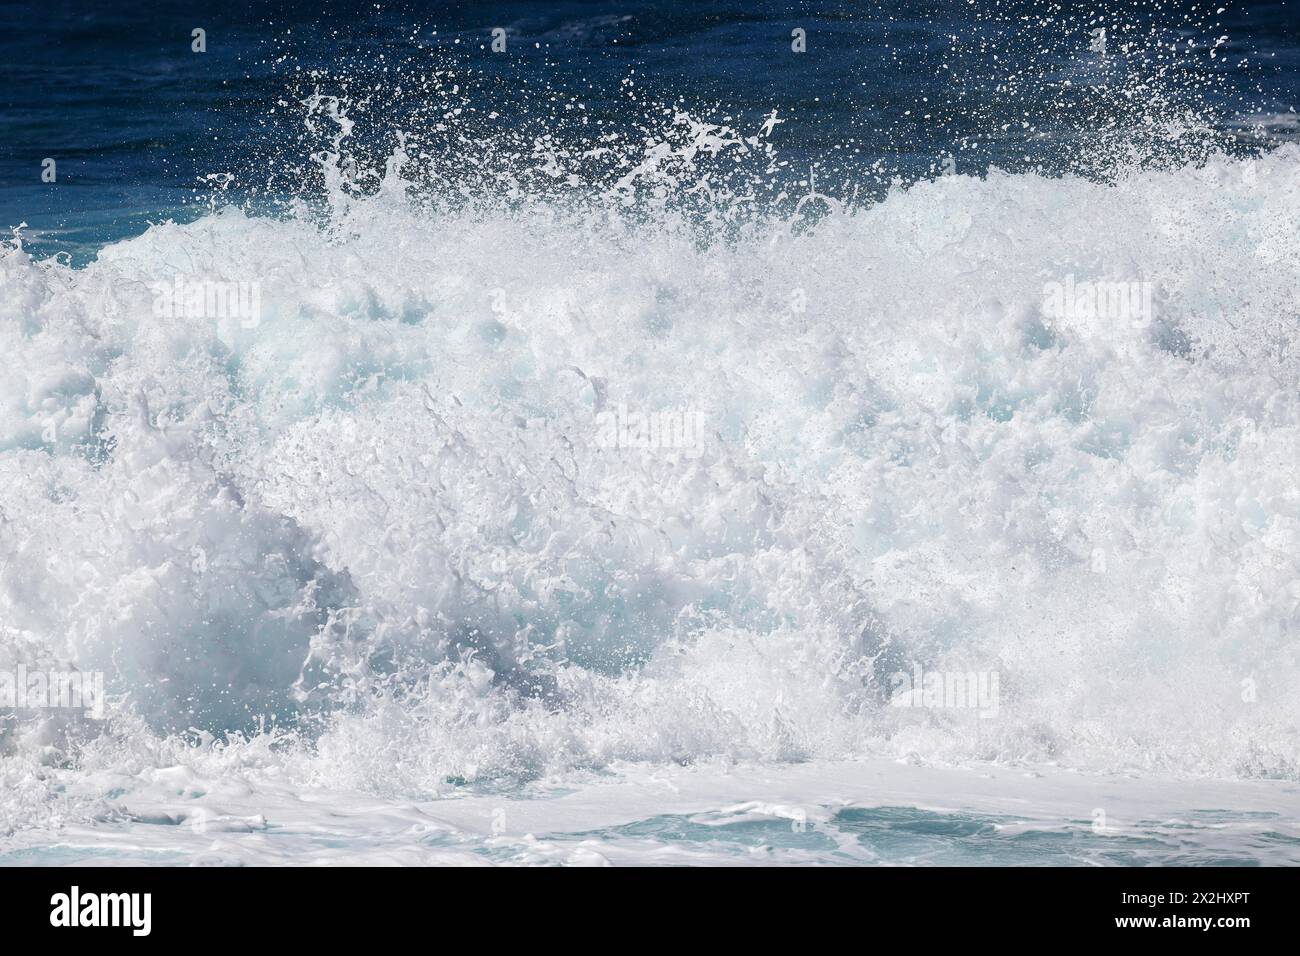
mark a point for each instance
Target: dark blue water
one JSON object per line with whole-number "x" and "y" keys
{"x": 138, "y": 123}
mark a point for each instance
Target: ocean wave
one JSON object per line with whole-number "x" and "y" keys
{"x": 477, "y": 495}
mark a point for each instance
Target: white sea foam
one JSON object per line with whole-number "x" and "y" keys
{"x": 373, "y": 542}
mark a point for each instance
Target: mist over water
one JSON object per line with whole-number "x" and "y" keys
{"x": 576, "y": 435}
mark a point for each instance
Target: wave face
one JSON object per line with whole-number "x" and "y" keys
{"x": 486, "y": 496}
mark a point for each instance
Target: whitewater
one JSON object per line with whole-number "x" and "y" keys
{"x": 368, "y": 581}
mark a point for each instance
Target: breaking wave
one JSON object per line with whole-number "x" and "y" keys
{"x": 376, "y": 533}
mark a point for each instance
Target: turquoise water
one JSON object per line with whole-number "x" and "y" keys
{"x": 883, "y": 836}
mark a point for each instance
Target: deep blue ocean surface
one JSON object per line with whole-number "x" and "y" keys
{"x": 136, "y": 119}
